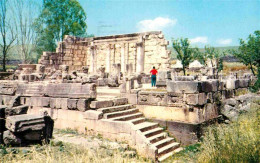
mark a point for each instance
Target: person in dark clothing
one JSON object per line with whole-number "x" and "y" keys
{"x": 153, "y": 72}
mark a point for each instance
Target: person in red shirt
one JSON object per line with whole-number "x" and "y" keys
{"x": 153, "y": 72}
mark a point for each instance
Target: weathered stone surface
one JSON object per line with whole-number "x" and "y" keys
{"x": 209, "y": 86}
{"x": 83, "y": 104}
{"x": 30, "y": 89}
{"x": 113, "y": 81}
{"x": 92, "y": 114}
{"x": 101, "y": 104}
{"x": 231, "y": 102}
{"x": 183, "y": 78}
{"x": 202, "y": 99}
{"x": 192, "y": 99}
{"x": 20, "y": 123}
{"x": 40, "y": 101}
{"x": 10, "y": 139}
{"x": 229, "y": 112}
{"x": 243, "y": 83}
{"x": 9, "y": 100}
{"x": 232, "y": 84}
{"x": 59, "y": 103}
{"x": 10, "y": 111}
{"x": 61, "y": 90}
{"x": 33, "y": 135}
{"x": 183, "y": 86}
{"x": 72, "y": 104}
{"x": 8, "y": 88}
{"x": 120, "y": 101}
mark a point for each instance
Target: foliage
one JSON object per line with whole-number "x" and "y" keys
{"x": 184, "y": 52}
{"x": 57, "y": 19}
{"x": 249, "y": 54}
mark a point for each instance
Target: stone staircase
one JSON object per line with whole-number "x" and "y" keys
{"x": 155, "y": 137}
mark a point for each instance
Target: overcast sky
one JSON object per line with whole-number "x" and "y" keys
{"x": 204, "y": 22}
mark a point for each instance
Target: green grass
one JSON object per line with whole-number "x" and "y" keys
{"x": 235, "y": 142}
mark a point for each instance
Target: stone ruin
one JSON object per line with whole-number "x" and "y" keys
{"x": 71, "y": 83}
{"x": 17, "y": 128}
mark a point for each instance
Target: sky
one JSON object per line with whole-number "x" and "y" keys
{"x": 204, "y": 22}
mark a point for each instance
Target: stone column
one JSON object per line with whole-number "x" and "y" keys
{"x": 127, "y": 58}
{"x": 123, "y": 58}
{"x": 108, "y": 59}
{"x": 140, "y": 58}
{"x": 93, "y": 66}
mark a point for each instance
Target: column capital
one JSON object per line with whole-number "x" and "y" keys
{"x": 139, "y": 44}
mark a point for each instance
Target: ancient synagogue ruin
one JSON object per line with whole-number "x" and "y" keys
{"x": 101, "y": 85}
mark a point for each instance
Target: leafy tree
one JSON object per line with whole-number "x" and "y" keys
{"x": 59, "y": 18}
{"x": 7, "y": 31}
{"x": 184, "y": 52}
{"x": 249, "y": 54}
{"x": 213, "y": 55}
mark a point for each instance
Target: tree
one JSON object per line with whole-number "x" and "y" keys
{"x": 57, "y": 19}
{"x": 7, "y": 32}
{"x": 249, "y": 54}
{"x": 184, "y": 52}
{"x": 25, "y": 12}
{"x": 213, "y": 55}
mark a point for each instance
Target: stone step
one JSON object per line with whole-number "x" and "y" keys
{"x": 127, "y": 117}
{"x": 168, "y": 148}
{"x": 120, "y": 101}
{"x": 163, "y": 142}
{"x": 153, "y": 132}
{"x": 157, "y": 137}
{"x": 120, "y": 113}
{"x": 116, "y": 108}
{"x": 169, "y": 154}
{"x": 137, "y": 120}
{"x": 146, "y": 126}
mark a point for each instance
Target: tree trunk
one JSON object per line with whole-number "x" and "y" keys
{"x": 251, "y": 68}
{"x": 183, "y": 69}
{"x": 4, "y": 61}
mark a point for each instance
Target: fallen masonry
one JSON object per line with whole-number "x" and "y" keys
{"x": 19, "y": 129}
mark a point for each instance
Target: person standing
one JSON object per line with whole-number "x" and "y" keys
{"x": 153, "y": 72}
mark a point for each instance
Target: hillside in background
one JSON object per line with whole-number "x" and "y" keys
{"x": 221, "y": 49}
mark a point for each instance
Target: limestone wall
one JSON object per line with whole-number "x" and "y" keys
{"x": 136, "y": 52}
